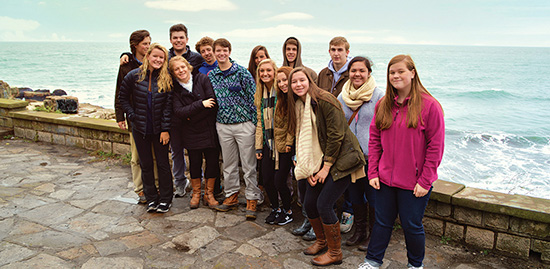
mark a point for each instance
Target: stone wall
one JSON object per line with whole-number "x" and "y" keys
{"x": 514, "y": 225}
{"x": 71, "y": 130}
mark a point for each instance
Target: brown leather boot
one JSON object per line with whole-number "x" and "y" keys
{"x": 360, "y": 212}
{"x": 365, "y": 245}
{"x": 196, "y": 196}
{"x": 320, "y": 243}
{"x": 229, "y": 203}
{"x": 251, "y": 209}
{"x": 208, "y": 198}
{"x": 334, "y": 253}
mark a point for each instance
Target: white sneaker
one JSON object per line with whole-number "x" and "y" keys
{"x": 181, "y": 190}
{"x": 409, "y": 266}
{"x": 346, "y": 222}
{"x": 367, "y": 265}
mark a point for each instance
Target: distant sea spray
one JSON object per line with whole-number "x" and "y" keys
{"x": 495, "y": 99}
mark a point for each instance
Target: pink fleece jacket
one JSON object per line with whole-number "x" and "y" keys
{"x": 401, "y": 156}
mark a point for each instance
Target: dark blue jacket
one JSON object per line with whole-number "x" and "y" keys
{"x": 133, "y": 98}
{"x": 196, "y": 123}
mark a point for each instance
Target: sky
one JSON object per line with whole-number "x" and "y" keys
{"x": 438, "y": 22}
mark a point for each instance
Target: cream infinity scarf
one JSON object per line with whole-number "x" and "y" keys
{"x": 354, "y": 98}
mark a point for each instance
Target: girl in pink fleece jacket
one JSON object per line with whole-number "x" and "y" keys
{"x": 405, "y": 148}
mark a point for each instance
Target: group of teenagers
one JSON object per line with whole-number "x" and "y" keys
{"x": 337, "y": 131}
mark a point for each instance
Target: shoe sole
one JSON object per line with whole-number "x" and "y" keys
{"x": 226, "y": 209}
{"x": 162, "y": 210}
{"x": 286, "y": 222}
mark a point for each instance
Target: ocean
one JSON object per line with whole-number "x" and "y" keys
{"x": 494, "y": 98}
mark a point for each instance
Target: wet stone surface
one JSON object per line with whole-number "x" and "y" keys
{"x": 61, "y": 208}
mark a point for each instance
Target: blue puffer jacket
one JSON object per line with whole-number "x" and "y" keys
{"x": 133, "y": 98}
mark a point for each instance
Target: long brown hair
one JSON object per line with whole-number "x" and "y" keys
{"x": 260, "y": 84}
{"x": 384, "y": 116}
{"x": 164, "y": 81}
{"x": 314, "y": 91}
{"x": 252, "y": 63}
{"x": 281, "y": 108}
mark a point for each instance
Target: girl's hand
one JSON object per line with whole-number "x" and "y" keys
{"x": 208, "y": 103}
{"x": 164, "y": 138}
{"x": 419, "y": 191}
{"x": 288, "y": 149}
{"x": 322, "y": 174}
{"x": 312, "y": 181}
{"x": 258, "y": 156}
{"x": 375, "y": 183}
{"x": 124, "y": 59}
{"x": 122, "y": 125}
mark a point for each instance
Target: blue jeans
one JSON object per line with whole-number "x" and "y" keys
{"x": 390, "y": 202}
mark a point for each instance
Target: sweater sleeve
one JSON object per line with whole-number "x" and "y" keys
{"x": 435, "y": 140}
{"x": 166, "y": 119}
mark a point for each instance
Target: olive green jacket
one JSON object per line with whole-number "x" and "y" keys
{"x": 339, "y": 145}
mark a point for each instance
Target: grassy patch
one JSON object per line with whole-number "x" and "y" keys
{"x": 47, "y": 109}
{"x": 445, "y": 240}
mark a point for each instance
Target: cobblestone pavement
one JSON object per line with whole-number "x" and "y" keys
{"x": 62, "y": 208}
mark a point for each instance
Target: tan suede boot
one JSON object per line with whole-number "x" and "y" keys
{"x": 320, "y": 243}
{"x": 196, "y": 196}
{"x": 334, "y": 241}
{"x": 208, "y": 199}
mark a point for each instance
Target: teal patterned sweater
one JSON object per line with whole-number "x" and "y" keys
{"x": 235, "y": 94}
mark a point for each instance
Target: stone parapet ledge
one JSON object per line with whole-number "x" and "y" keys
{"x": 12, "y": 104}
{"x": 443, "y": 191}
{"x": 69, "y": 120}
{"x": 520, "y": 206}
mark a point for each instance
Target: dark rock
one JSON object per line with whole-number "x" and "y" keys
{"x": 59, "y": 92}
{"x": 21, "y": 92}
{"x": 43, "y": 90}
{"x": 36, "y": 95}
{"x": 66, "y": 104}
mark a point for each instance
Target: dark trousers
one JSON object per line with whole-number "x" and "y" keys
{"x": 390, "y": 202}
{"x": 361, "y": 189}
{"x": 166, "y": 189}
{"x": 275, "y": 180}
{"x": 321, "y": 198}
{"x": 212, "y": 158}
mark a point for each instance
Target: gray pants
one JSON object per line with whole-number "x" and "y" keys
{"x": 238, "y": 141}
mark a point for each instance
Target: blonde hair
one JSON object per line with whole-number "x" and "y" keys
{"x": 260, "y": 84}
{"x": 179, "y": 59}
{"x": 164, "y": 81}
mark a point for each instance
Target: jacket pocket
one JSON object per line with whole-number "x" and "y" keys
{"x": 350, "y": 159}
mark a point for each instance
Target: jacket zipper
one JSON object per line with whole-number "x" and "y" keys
{"x": 394, "y": 139}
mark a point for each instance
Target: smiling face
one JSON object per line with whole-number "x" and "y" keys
{"x": 358, "y": 74}
{"x": 282, "y": 82}
{"x": 181, "y": 71}
{"x": 290, "y": 52}
{"x": 207, "y": 54}
{"x": 300, "y": 84}
{"x": 178, "y": 40}
{"x": 143, "y": 47}
{"x": 338, "y": 54}
{"x": 400, "y": 76}
{"x": 260, "y": 55}
{"x": 266, "y": 72}
{"x": 222, "y": 54}
{"x": 156, "y": 59}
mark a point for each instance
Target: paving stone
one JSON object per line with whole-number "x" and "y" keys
{"x": 62, "y": 194}
{"x": 276, "y": 242}
{"x": 41, "y": 261}
{"x": 118, "y": 262}
{"x": 93, "y": 224}
{"x": 160, "y": 258}
{"x": 216, "y": 248}
{"x": 50, "y": 239}
{"x": 295, "y": 264}
{"x": 12, "y": 253}
{"x": 25, "y": 227}
{"x": 31, "y": 201}
{"x": 145, "y": 238}
{"x": 52, "y": 213}
{"x": 84, "y": 204}
{"x": 244, "y": 231}
{"x": 71, "y": 254}
{"x": 227, "y": 220}
{"x": 106, "y": 248}
{"x": 249, "y": 250}
{"x": 200, "y": 215}
{"x": 6, "y": 225}
{"x": 195, "y": 239}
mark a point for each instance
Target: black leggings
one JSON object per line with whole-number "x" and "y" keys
{"x": 212, "y": 158}
{"x": 145, "y": 152}
{"x": 275, "y": 180}
{"x": 320, "y": 199}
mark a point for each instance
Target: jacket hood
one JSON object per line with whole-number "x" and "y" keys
{"x": 298, "y": 61}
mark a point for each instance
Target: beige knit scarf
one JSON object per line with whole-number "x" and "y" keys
{"x": 309, "y": 155}
{"x": 354, "y": 98}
